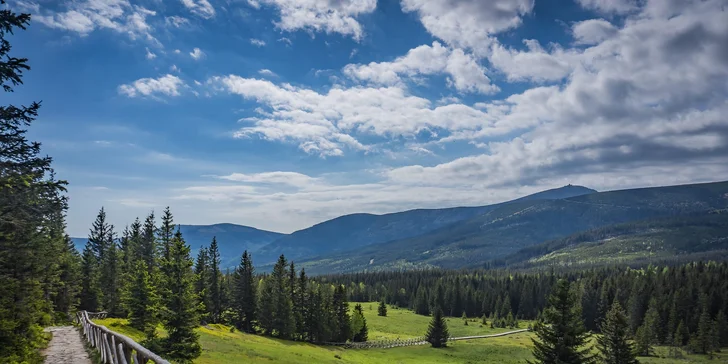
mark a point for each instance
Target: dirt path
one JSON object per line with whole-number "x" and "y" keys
{"x": 65, "y": 346}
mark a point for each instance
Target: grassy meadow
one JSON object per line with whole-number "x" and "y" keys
{"x": 221, "y": 346}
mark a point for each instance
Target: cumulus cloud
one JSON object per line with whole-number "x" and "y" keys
{"x": 201, "y": 8}
{"x": 322, "y": 16}
{"x": 468, "y": 23}
{"x": 322, "y": 123}
{"x": 257, "y": 42}
{"x": 593, "y": 31}
{"x": 176, "y": 21}
{"x": 197, "y": 54}
{"x": 465, "y": 74}
{"x": 168, "y": 85}
{"x": 611, "y": 6}
{"x": 83, "y": 17}
{"x": 533, "y": 64}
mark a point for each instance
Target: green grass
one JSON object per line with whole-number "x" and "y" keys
{"x": 220, "y": 346}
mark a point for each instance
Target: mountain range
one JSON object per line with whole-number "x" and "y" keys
{"x": 565, "y": 226}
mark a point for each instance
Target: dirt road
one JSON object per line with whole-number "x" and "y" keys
{"x": 65, "y": 346}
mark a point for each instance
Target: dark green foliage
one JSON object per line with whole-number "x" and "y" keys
{"x": 422, "y": 306}
{"x": 179, "y": 316}
{"x": 202, "y": 274}
{"x": 722, "y": 324}
{"x": 214, "y": 290}
{"x": 703, "y": 341}
{"x": 648, "y": 333}
{"x": 614, "y": 344}
{"x": 562, "y": 337}
{"x": 342, "y": 326}
{"x": 245, "y": 294}
{"x": 141, "y": 299}
{"x": 90, "y": 299}
{"x": 301, "y": 301}
{"x": 32, "y": 210}
{"x": 148, "y": 245}
{"x": 359, "y": 330}
{"x": 437, "y": 334}
{"x": 382, "y": 310}
{"x": 111, "y": 279}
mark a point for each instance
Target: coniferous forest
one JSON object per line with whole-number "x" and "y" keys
{"x": 148, "y": 275}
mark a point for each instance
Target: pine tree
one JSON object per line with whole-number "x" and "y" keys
{"x": 341, "y": 315}
{"x": 90, "y": 299}
{"x": 30, "y": 201}
{"x": 304, "y": 303}
{"x": 66, "y": 296}
{"x": 437, "y": 333}
{"x": 99, "y": 235}
{"x": 245, "y": 298}
{"x": 141, "y": 300}
{"x": 292, "y": 294}
{"x": 647, "y": 334}
{"x": 283, "y": 324}
{"x": 180, "y": 314}
{"x": 681, "y": 335}
{"x": 614, "y": 344}
{"x": 562, "y": 338}
{"x": 359, "y": 330}
{"x": 702, "y": 342}
{"x": 722, "y": 322}
{"x": 382, "y": 310}
{"x": 266, "y": 305}
{"x": 148, "y": 246}
{"x": 111, "y": 279}
{"x": 213, "y": 284}
{"x": 202, "y": 274}
{"x": 165, "y": 234}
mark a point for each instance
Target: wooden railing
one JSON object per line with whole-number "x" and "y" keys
{"x": 115, "y": 348}
{"x": 385, "y": 344}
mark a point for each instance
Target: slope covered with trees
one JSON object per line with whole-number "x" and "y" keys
{"x": 514, "y": 226}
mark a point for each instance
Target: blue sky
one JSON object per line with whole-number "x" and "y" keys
{"x": 280, "y": 114}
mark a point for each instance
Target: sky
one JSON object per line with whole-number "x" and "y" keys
{"x": 280, "y": 114}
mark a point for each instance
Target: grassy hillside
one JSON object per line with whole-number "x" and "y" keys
{"x": 511, "y": 227}
{"x": 220, "y": 346}
{"x": 354, "y": 231}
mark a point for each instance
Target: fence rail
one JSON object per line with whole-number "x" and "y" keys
{"x": 385, "y": 344}
{"x": 115, "y": 348}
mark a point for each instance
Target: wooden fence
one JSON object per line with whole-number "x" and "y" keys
{"x": 384, "y": 344}
{"x": 115, "y": 348}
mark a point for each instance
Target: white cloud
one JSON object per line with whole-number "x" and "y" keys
{"x": 465, "y": 74}
{"x": 321, "y": 123}
{"x": 285, "y": 178}
{"x": 322, "y": 16}
{"x": 83, "y": 17}
{"x": 468, "y": 23}
{"x": 150, "y": 55}
{"x": 201, "y": 8}
{"x": 611, "y": 6}
{"x": 176, "y": 21}
{"x": 534, "y": 64}
{"x": 286, "y": 40}
{"x": 267, "y": 72}
{"x": 593, "y": 31}
{"x": 177, "y": 51}
{"x": 257, "y": 42}
{"x": 197, "y": 54}
{"x": 168, "y": 85}
{"x": 174, "y": 68}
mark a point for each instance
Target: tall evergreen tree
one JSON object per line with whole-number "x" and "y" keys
{"x": 245, "y": 298}
{"x": 342, "y": 326}
{"x": 702, "y": 342}
{"x": 422, "y": 307}
{"x": 111, "y": 279}
{"x": 99, "y": 235}
{"x": 722, "y": 323}
{"x": 90, "y": 299}
{"x": 180, "y": 313}
{"x": 614, "y": 344}
{"x": 562, "y": 338}
{"x": 148, "y": 246}
{"x": 266, "y": 305}
{"x": 648, "y": 334}
{"x": 165, "y": 233}
{"x": 214, "y": 282}
{"x": 437, "y": 333}
{"x": 141, "y": 300}
{"x": 283, "y": 323}
{"x": 303, "y": 305}
{"x": 31, "y": 199}
{"x": 359, "y": 330}
{"x": 202, "y": 274}
{"x": 66, "y": 297}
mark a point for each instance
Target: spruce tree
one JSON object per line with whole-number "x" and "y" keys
{"x": 266, "y": 305}
{"x": 66, "y": 296}
{"x": 111, "y": 279}
{"x": 99, "y": 235}
{"x": 245, "y": 294}
{"x": 165, "y": 233}
{"x": 647, "y": 333}
{"x": 382, "y": 310}
{"x": 722, "y": 322}
{"x": 421, "y": 305}
{"x": 215, "y": 291}
{"x": 141, "y": 300}
{"x": 202, "y": 273}
{"x": 341, "y": 315}
{"x": 702, "y": 341}
{"x": 283, "y": 324}
{"x": 30, "y": 201}
{"x": 148, "y": 246}
{"x": 562, "y": 338}
{"x": 180, "y": 313}
{"x": 304, "y": 304}
{"x": 359, "y": 330}
{"x": 614, "y": 344}
{"x": 90, "y": 299}
{"x": 437, "y": 333}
